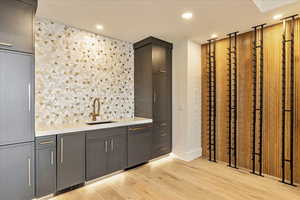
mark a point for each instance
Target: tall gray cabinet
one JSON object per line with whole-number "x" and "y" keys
{"x": 17, "y": 99}
{"x": 153, "y": 90}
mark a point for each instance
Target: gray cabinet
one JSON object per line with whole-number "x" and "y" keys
{"x": 106, "y": 152}
{"x": 17, "y": 171}
{"x": 96, "y": 156}
{"x": 153, "y": 95}
{"x": 45, "y": 166}
{"x": 143, "y": 82}
{"x": 16, "y": 25}
{"x": 16, "y": 97}
{"x": 70, "y": 160}
{"x": 139, "y": 144}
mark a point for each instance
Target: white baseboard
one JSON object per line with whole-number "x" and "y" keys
{"x": 188, "y": 156}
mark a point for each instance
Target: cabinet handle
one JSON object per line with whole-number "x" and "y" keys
{"x": 52, "y": 158}
{"x": 46, "y": 142}
{"x": 105, "y": 146}
{"x": 29, "y": 172}
{"x": 62, "y": 150}
{"x": 163, "y": 124}
{"x": 139, "y": 128}
{"x": 154, "y": 96}
{"x": 162, "y": 71}
{"x": 112, "y": 145}
{"x": 29, "y": 97}
{"x": 5, "y": 44}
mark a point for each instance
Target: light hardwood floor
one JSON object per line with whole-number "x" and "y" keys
{"x": 172, "y": 179}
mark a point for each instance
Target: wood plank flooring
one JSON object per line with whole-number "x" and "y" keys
{"x": 172, "y": 179}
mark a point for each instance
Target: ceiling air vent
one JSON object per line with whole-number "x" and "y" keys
{"x": 267, "y": 5}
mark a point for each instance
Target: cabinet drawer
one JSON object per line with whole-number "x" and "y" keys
{"x": 161, "y": 133}
{"x": 161, "y": 139}
{"x": 45, "y": 142}
{"x": 160, "y": 150}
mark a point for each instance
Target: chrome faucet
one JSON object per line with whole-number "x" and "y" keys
{"x": 95, "y": 114}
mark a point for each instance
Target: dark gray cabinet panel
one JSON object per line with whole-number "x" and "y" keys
{"x": 16, "y": 97}
{"x": 96, "y": 156}
{"x": 70, "y": 160}
{"x": 45, "y": 166}
{"x": 106, "y": 152}
{"x": 162, "y": 101}
{"x": 139, "y": 144}
{"x": 16, "y": 26}
{"x": 17, "y": 171}
{"x": 161, "y": 87}
{"x": 143, "y": 82}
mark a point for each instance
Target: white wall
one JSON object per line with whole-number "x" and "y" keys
{"x": 187, "y": 100}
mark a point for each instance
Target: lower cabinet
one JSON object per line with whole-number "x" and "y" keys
{"x": 106, "y": 152}
{"x": 17, "y": 171}
{"x": 45, "y": 166}
{"x": 70, "y": 160}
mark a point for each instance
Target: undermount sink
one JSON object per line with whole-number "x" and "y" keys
{"x": 99, "y": 122}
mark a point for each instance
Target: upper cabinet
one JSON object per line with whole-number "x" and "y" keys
{"x": 70, "y": 160}
{"x": 16, "y": 25}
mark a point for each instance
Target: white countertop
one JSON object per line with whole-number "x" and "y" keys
{"x": 69, "y": 128}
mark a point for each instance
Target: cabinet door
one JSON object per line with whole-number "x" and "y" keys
{"x": 160, "y": 59}
{"x": 139, "y": 144}
{"x": 16, "y": 26}
{"x": 17, "y": 172}
{"x": 16, "y": 98}
{"x": 162, "y": 103}
{"x": 143, "y": 82}
{"x": 45, "y": 171}
{"x": 70, "y": 160}
{"x": 117, "y": 159}
{"x": 96, "y": 156}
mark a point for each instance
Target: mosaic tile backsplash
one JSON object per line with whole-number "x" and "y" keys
{"x": 73, "y": 67}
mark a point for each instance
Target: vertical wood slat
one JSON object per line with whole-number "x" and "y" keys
{"x": 272, "y": 101}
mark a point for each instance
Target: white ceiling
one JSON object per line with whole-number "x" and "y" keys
{"x": 267, "y": 5}
{"x": 132, "y": 20}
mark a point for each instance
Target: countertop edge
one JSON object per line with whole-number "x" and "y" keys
{"x": 92, "y": 127}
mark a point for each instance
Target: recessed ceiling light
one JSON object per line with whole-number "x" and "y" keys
{"x": 99, "y": 27}
{"x": 187, "y": 15}
{"x": 276, "y": 17}
{"x": 213, "y": 36}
